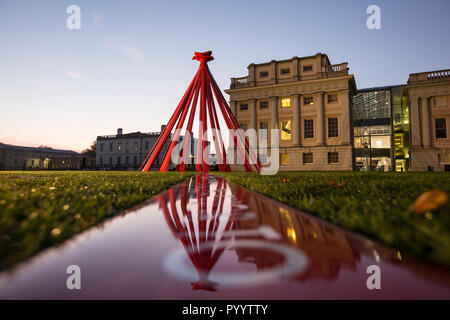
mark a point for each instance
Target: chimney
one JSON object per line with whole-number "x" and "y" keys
{"x": 119, "y": 131}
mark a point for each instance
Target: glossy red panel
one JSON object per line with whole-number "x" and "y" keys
{"x": 207, "y": 239}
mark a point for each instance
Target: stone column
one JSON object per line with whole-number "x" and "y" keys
{"x": 415, "y": 121}
{"x": 345, "y": 118}
{"x": 426, "y": 132}
{"x": 274, "y": 112}
{"x": 296, "y": 120}
{"x": 233, "y": 107}
{"x": 252, "y": 105}
{"x": 320, "y": 139}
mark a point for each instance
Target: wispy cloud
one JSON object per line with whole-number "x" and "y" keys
{"x": 74, "y": 75}
{"x": 125, "y": 48}
{"x": 98, "y": 18}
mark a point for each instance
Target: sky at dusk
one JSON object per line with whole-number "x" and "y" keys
{"x": 130, "y": 63}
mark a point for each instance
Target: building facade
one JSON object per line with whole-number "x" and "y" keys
{"x": 128, "y": 151}
{"x": 429, "y": 101}
{"x": 309, "y": 101}
{"x": 29, "y": 158}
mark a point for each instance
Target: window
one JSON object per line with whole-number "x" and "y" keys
{"x": 285, "y": 129}
{"x": 284, "y": 158}
{"x": 333, "y": 157}
{"x": 119, "y": 146}
{"x": 264, "y": 74}
{"x": 264, "y": 104}
{"x": 135, "y": 146}
{"x": 308, "y": 128}
{"x": 127, "y": 160}
{"x": 243, "y": 126}
{"x": 127, "y": 146}
{"x": 263, "y": 128}
{"x": 285, "y": 71}
{"x": 118, "y": 160}
{"x": 285, "y": 102}
{"x": 110, "y": 160}
{"x": 440, "y": 126}
{"x": 101, "y": 146}
{"x": 135, "y": 160}
{"x": 307, "y": 68}
{"x": 307, "y": 157}
{"x": 101, "y": 160}
{"x": 263, "y": 158}
{"x": 243, "y": 106}
{"x": 308, "y": 100}
{"x": 146, "y": 144}
{"x": 332, "y": 98}
{"x": 332, "y": 127}
{"x": 110, "y": 146}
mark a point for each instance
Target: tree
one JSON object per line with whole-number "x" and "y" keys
{"x": 91, "y": 150}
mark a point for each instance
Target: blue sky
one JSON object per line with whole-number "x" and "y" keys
{"x": 130, "y": 62}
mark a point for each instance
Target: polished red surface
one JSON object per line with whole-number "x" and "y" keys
{"x": 207, "y": 239}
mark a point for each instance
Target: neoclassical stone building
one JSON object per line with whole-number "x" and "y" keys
{"x": 309, "y": 101}
{"x": 429, "y": 101}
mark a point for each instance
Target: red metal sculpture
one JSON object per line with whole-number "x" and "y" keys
{"x": 202, "y": 86}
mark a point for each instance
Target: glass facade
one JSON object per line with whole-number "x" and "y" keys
{"x": 381, "y": 129}
{"x": 401, "y": 129}
{"x": 372, "y": 130}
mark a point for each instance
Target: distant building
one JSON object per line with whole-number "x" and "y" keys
{"x": 127, "y": 151}
{"x": 29, "y": 158}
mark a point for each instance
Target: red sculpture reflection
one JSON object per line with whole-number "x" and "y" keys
{"x": 182, "y": 226}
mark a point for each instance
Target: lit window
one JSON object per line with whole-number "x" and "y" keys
{"x": 285, "y": 71}
{"x": 284, "y": 158}
{"x": 264, "y": 74}
{"x": 307, "y": 157}
{"x": 333, "y": 157}
{"x": 308, "y": 128}
{"x": 285, "y": 102}
{"x": 243, "y": 107}
{"x": 332, "y": 127}
{"x": 308, "y": 100}
{"x": 119, "y": 146}
{"x": 441, "y": 128}
{"x": 264, "y": 104}
{"x": 135, "y": 146}
{"x": 307, "y": 68}
{"x": 332, "y": 98}
{"x": 286, "y": 130}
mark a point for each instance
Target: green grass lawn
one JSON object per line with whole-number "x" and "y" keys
{"x": 40, "y": 209}
{"x": 374, "y": 204}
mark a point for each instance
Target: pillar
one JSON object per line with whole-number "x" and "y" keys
{"x": 274, "y": 112}
{"x": 233, "y": 107}
{"x": 426, "y": 132}
{"x": 345, "y": 118}
{"x": 415, "y": 121}
{"x": 296, "y": 120}
{"x": 252, "y": 105}
{"x": 320, "y": 140}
